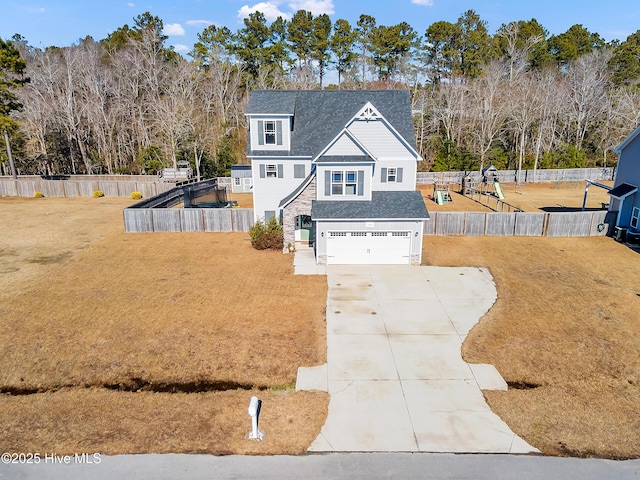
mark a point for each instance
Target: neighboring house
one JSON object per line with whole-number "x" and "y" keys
{"x": 339, "y": 169}
{"x": 241, "y": 179}
{"x": 625, "y": 199}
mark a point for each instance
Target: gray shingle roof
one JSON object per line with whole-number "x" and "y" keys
{"x": 319, "y": 115}
{"x": 275, "y": 102}
{"x": 383, "y": 205}
{"x": 623, "y": 190}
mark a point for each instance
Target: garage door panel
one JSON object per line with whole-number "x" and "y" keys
{"x": 368, "y": 248}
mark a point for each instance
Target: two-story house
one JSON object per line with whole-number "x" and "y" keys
{"x": 625, "y": 199}
{"x": 339, "y": 169}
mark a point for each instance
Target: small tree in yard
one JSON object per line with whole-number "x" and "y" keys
{"x": 267, "y": 235}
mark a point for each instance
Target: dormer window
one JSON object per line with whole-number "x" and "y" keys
{"x": 344, "y": 182}
{"x": 269, "y": 133}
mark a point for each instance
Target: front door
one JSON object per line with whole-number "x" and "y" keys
{"x": 304, "y": 229}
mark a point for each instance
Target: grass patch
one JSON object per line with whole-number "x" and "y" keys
{"x": 564, "y": 333}
{"x": 150, "y": 343}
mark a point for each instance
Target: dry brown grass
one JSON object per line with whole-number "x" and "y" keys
{"x": 110, "y": 422}
{"x": 85, "y": 304}
{"x": 567, "y": 322}
{"x": 530, "y": 197}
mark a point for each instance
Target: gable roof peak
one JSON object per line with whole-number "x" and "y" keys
{"x": 368, "y": 112}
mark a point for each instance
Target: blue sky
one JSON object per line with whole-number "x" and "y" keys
{"x": 62, "y": 23}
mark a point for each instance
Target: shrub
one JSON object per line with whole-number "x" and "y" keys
{"x": 267, "y": 235}
{"x": 98, "y": 193}
{"x": 136, "y": 195}
{"x": 38, "y": 195}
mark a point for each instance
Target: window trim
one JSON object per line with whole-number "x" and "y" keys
{"x": 269, "y": 130}
{"x": 344, "y": 187}
{"x": 271, "y": 170}
{"x": 392, "y": 175}
{"x": 635, "y": 215}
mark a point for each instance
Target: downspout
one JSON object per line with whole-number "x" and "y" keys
{"x": 619, "y": 211}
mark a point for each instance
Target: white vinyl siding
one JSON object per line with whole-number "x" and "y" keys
{"x": 344, "y": 146}
{"x": 376, "y": 137}
{"x": 268, "y": 192}
{"x": 269, "y": 133}
{"x": 404, "y": 178}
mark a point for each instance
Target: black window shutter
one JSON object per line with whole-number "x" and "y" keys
{"x": 399, "y": 175}
{"x": 327, "y": 183}
{"x": 262, "y": 171}
{"x": 383, "y": 175}
{"x": 260, "y": 132}
{"x": 280, "y": 170}
{"x": 360, "y": 183}
{"x": 278, "y": 133}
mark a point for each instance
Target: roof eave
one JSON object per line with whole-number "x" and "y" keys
{"x": 373, "y": 219}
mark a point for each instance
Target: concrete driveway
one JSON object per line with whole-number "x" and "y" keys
{"x": 394, "y": 368}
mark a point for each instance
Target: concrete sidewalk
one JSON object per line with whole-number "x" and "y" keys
{"x": 304, "y": 262}
{"x": 394, "y": 368}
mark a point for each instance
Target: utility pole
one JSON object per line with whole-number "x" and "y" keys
{"x": 13, "y": 167}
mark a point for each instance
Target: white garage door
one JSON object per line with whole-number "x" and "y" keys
{"x": 368, "y": 248}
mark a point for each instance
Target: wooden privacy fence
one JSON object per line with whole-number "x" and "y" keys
{"x": 148, "y": 185}
{"x": 188, "y": 219}
{"x": 550, "y": 175}
{"x": 527, "y": 224}
{"x": 503, "y": 224}
{"x": 27, "y": 187}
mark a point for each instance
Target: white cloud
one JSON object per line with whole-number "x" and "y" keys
{"x": 181, "y": 48}
{"x": 424, "y": 3}
{"x": 131, "y": 4}
{"x": 173, "y": 29}
{"x": 316, "y": 7}
{"x": 34, "y": 9}
{"x": 270, "y": 10}
{"x": 198, "y": 23}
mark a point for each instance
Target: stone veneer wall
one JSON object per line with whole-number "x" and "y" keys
{"x": 300, "y": 206}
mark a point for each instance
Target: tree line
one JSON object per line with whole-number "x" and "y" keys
{"x": 130, "y": 104}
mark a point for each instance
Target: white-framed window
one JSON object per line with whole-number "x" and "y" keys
{"x": 344, "y": 182}
{"x": 634, "y": 217}
{"x": 237, "y": 182}
{"x": 392, "y": 175}
{"x": 269, "y": 132}
{"x": 271, "y": 170}
{"x": 337, "y": 182}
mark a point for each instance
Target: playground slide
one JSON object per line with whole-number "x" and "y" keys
{"x": 498, "y": 188}
{"x": 439, "y": 197}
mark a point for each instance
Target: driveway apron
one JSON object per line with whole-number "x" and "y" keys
{"x": 394, "y": 368}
